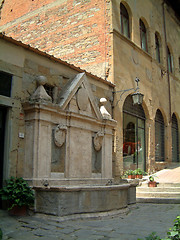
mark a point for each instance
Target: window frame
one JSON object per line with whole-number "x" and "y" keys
{"x": 143, "y": 33}
{"x": 6, "y": 81}
{"x": 124, "y": 15}
{"x": 169, "y": 59}
{"x": 157, "y": 48}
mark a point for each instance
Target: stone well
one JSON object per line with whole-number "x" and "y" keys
{"x": 68, "y": 157}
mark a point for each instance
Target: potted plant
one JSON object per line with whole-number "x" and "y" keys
{"x": 130, "y": 174}
{"x": 152, "y": 182}
{"x": 139, "y": 173}
{"x": 18, "y": 194}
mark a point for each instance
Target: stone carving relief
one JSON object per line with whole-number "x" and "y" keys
{"x": 60, "y": 135}
{"x": 98, "y": 139}
{"x": 82, "y": 99}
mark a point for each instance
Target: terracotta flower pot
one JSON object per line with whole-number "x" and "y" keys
{"x": 152, "y": 184}
{"x": 139, "y": 176}
{"x": 131, "y": 176}
{"x": 18, "y": 211}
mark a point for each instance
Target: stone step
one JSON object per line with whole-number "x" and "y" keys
{"x": 158, "y": 195}
{"x": 168, "y": 184}
{"x": 158, "y": 200}
{"x": 157, "y": 189}
{"x": 162, "y": 184}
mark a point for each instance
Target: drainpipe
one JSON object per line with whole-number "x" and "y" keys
{"x": 105, "y": 38}
{"x": 168, "y": 78}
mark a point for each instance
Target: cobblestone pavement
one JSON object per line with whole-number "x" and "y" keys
{"x": 139, "y": 222}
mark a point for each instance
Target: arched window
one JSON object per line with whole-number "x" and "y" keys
{"x": 124, "y": 21}
{"x": 143, "y": 35}
{"x": 159, "y": 137}
{"x": 175, "y": 139}
{"x": 169, "y": 56}
{"x": 157, "y": 48}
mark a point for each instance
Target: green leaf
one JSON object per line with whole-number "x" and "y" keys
{"x": 18, "y": 192}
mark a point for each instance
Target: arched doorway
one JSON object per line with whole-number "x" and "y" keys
{"x": 134, "y": 150}
{"x": 159, "y": 137}
{"x": 175, "y": 139}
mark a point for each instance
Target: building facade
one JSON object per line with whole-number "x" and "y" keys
{"x": 118, "y": 41}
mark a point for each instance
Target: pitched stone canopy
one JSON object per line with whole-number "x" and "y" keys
{"x": 78, "y": 97}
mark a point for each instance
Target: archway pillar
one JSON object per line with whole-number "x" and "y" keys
{"x": 150, "y": 145}
{"x": 118, "y": 144}
{"x": 168, "y": 143}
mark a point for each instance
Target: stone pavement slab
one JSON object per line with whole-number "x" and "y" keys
{"x": 139, "y": 222}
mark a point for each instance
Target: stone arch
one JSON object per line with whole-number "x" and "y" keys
{"x": 146, "y": 110}
{"x": 127, "y": 7}
{"x": 177, "y": 117}
{"x": 134, "y": 147}
{"x": 170, "y": 48}
{"x": 163, "y": 114}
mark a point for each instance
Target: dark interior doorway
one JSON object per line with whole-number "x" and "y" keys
{"x": 134, "y": 148}
{"x": 2, "y": 143}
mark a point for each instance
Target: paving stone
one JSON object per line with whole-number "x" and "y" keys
{"x": 138, "y": 223}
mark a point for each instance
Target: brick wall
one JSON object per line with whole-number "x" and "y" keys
{"x": 74, "y": 30}
{"x": 13, "y": 9}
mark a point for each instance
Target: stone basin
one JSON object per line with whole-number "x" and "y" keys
{"x": 70, "y": 200}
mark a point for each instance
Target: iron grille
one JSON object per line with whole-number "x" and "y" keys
{"x": 175, "y": 139}
{"x": 135, "y": 110}
{"x": 159, "y": 137}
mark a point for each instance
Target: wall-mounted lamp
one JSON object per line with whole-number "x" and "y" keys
{"x": 137, "y": 96}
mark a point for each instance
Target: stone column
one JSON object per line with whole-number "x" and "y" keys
{"x": 38, "y": 135}
{"x": 38, "y": 143}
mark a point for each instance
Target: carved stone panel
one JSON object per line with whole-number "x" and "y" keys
{"x": 98, "y": 141}
{"x": 82, "y": 99}
{"x": 60, "y": 135}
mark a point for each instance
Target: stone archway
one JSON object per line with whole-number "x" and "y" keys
{"x": 134, "y": 148}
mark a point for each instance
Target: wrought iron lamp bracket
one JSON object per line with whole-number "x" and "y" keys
{"x": 127, "y": 90}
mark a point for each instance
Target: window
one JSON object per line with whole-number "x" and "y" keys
{"x": 143, "y": 35}
{"x": 5, "y": 84}
{"x": 169, "y": 56}
{"x": 175, "y": 139}
{"x": 157, "y": 48}
{"x": 124, "y": 21}
{"x": 159, "y": 137}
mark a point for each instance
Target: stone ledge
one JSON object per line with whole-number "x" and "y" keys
{"x": 82, "y": 188}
